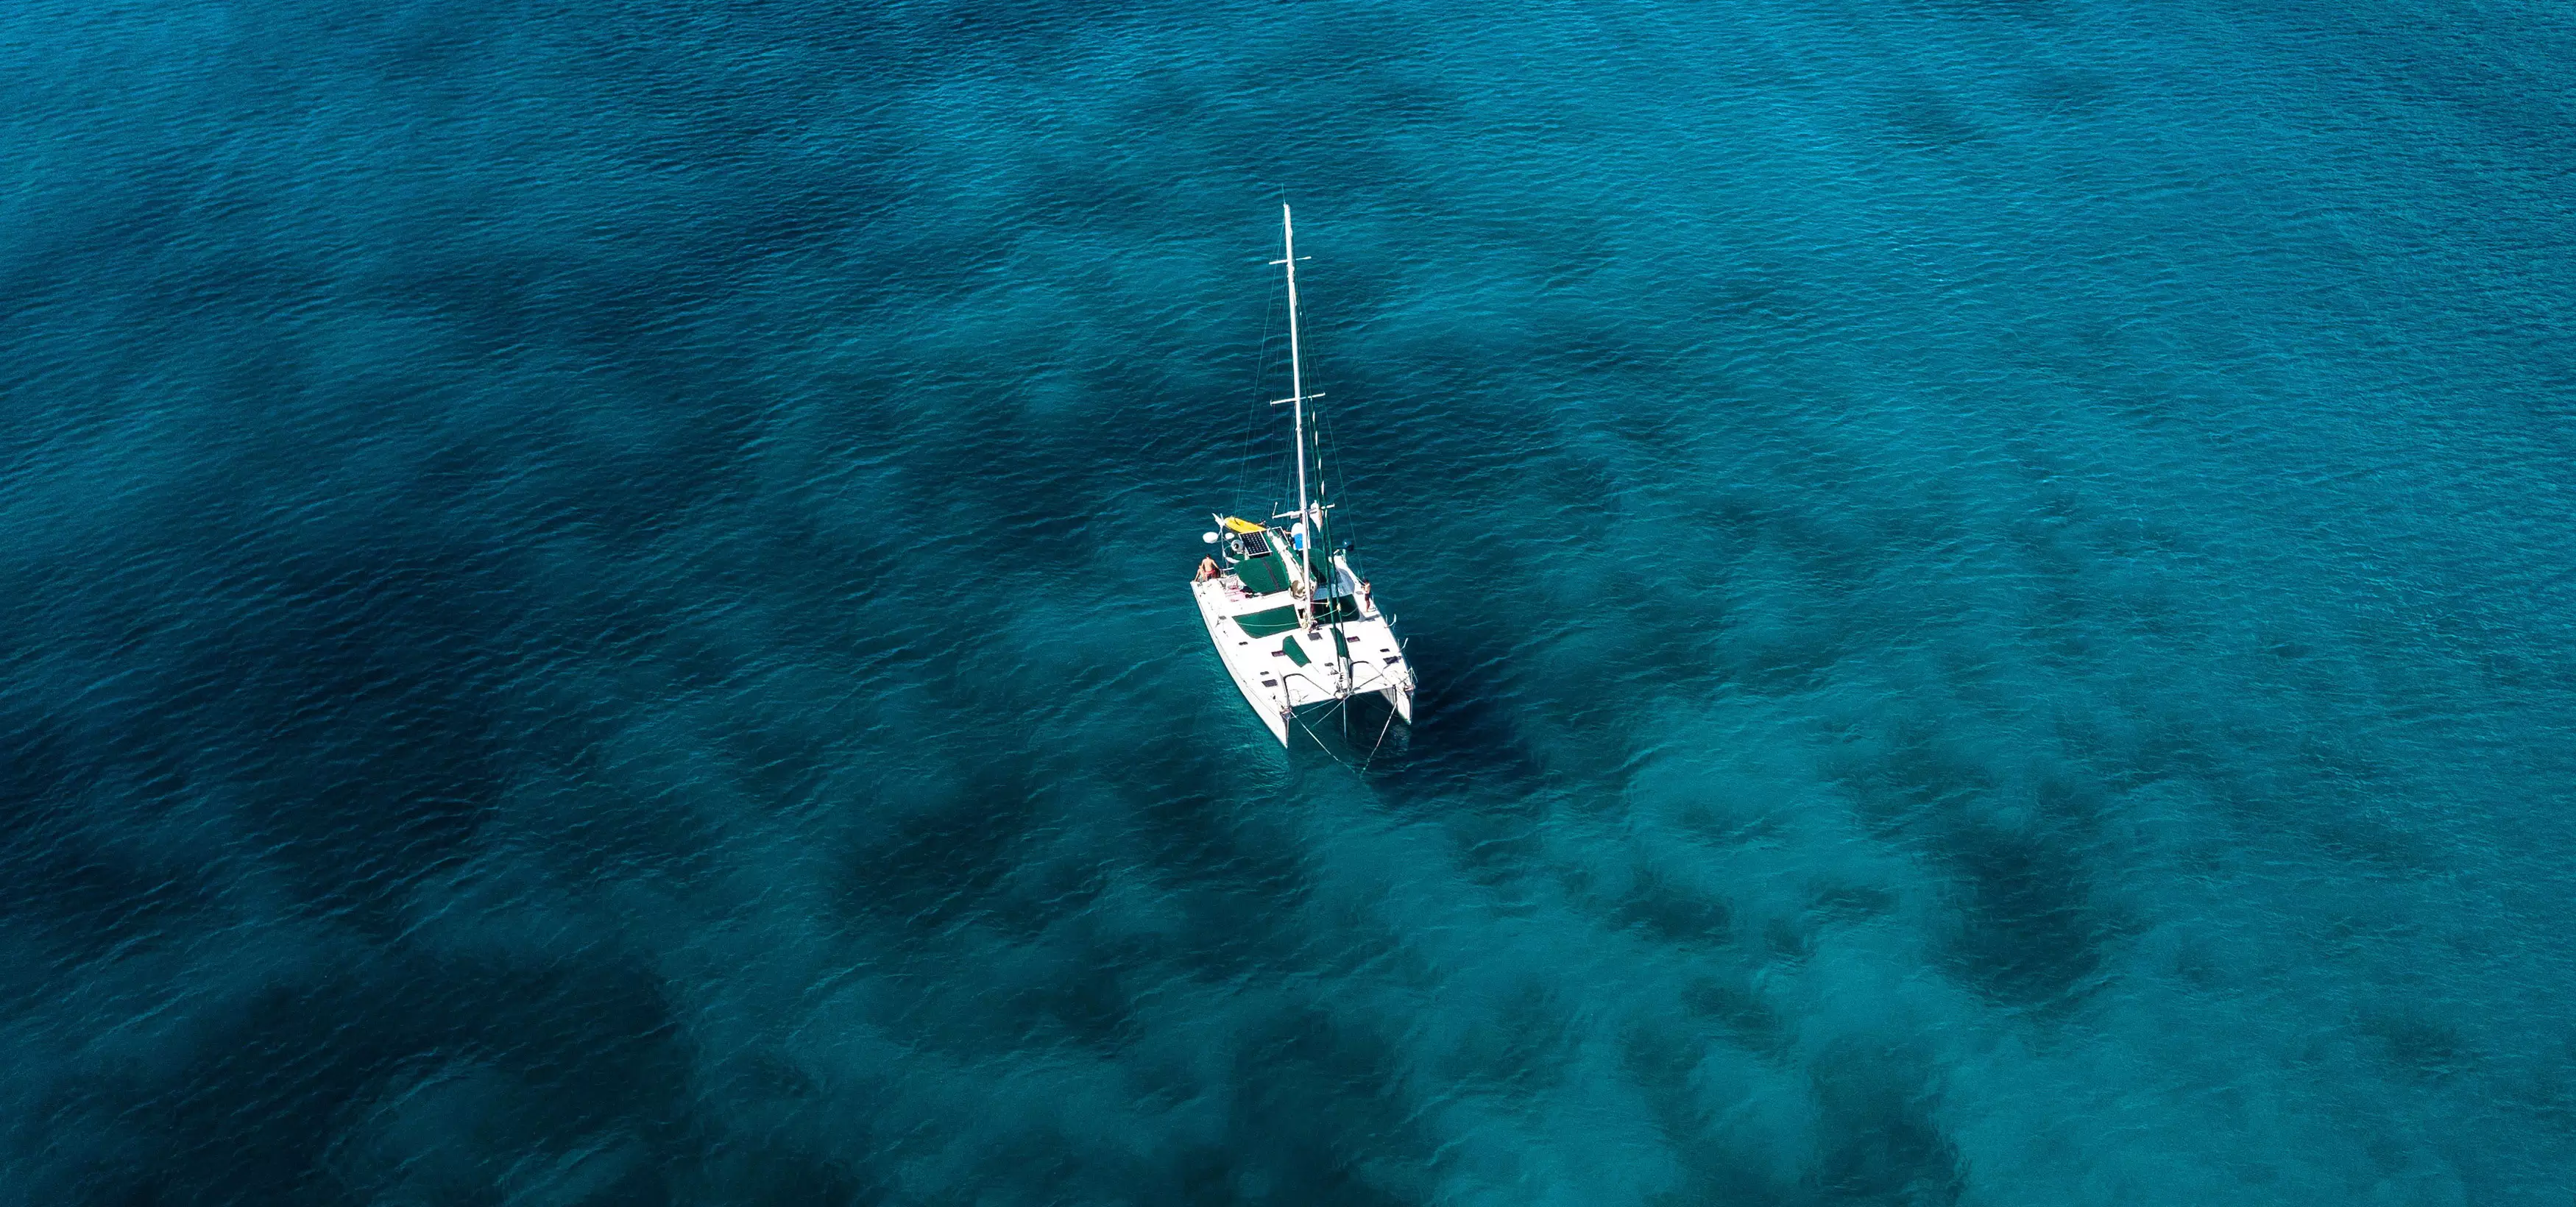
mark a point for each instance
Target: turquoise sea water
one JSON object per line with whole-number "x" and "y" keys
{"x": 596, "y": 604}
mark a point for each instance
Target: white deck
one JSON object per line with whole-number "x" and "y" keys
{"x": 1273, "y": 683}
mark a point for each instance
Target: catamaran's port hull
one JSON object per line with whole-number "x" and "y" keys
{"x": 1266, "y": 700}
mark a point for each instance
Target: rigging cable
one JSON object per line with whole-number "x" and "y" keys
{"x": 1252, "y": 418}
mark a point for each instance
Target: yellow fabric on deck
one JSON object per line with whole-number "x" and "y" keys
{"x": 1233, "y": 524}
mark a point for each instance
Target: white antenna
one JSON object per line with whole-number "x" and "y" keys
{"x": 1297, "y": 396}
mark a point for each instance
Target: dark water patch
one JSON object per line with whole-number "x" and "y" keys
{"x": 1739, "y": 1015}
{"x": 779, "y": 1175}
{"x": 351, "y": 698}
{"x": 1463, "y": 726}
{"x": 1885, "y": 1144}
{"x": 91, "y": 894}
{"x": 946, "y": 858}
{"x": 1714, "y": 1165}
{"x": 1672, "y": 913}
{"x": 2422, "y": 1045}
{"x": 1290, "y": 1135}
{"x": 253, "y": 1113}
{"x": 1930, "y": 121}
{"x": 1089, "y": 998}
{"x": 1522, "y": 1046}
{"x": 2028, "y": 930}
{"x": 1230, "y": 874}
{"x": 2375, "y": 845}
{"x": 1786, "y": 945}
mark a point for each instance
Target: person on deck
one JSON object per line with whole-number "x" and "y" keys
{"x": 1207, "y": 569}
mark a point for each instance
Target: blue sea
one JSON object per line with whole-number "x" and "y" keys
{"x": 596, "y": 603}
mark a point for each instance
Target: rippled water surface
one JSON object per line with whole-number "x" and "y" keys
{"x": 595, "y": 603}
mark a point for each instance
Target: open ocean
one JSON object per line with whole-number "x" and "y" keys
{"x": 596, "y": 603}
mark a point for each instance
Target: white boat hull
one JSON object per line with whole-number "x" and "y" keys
{"x": 1269, "y": 675}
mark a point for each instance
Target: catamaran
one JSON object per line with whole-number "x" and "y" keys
{"x": 1297, "y": 628}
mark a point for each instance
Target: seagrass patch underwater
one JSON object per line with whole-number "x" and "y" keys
{"x": 597, "y": 604}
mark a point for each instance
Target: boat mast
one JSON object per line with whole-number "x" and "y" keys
{"x": 1297, "y": 396}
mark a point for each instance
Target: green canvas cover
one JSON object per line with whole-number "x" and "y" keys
{"x": 1265, "y": 623}
{"x": 1262, "y": 575}
{"x": 1296, "y": 652}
